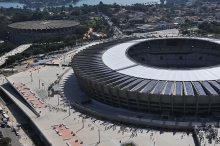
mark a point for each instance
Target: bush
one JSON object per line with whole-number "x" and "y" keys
{"x": 5, "y": 141}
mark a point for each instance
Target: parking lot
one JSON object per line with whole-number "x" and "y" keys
{"x": 7, "y": 132}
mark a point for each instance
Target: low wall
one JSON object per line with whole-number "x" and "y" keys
{"x": 2, "y": 101}
{"x": 40, "y": 134}
{"x": 141, "y": 121}
{"x": 30, "y": 106}
{"x": 32, "y": 124}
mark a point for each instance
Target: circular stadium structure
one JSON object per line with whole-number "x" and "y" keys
{"x": 22, "y": 31}
{"x": 176, "y": 75}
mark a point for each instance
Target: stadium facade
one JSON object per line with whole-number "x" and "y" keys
{"x": 22, "y": 31}
{"x": 178, "y": 75}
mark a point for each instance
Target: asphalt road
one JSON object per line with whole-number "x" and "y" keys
{"x": 8, "y": 133}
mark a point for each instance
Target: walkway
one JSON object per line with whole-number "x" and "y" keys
{"x": 17, "y": 50}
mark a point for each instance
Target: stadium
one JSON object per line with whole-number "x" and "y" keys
{"x": 22, "y": 31}
{"x": 180, "y": 76}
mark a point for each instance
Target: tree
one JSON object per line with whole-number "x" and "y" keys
{"x": 63, "y": 8}
{"x": 115, "y": 20}
{"x": 70, "y": 7}
{"x": 5, "y": 141}
{"x": 186, "y": 32}
{"x": 82, "y": 30}
{"x": 37, "y": 9}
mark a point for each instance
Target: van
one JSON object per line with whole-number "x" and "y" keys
{"x": 5, "y": 116}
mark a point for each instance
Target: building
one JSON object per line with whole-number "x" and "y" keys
{"x": 163, "y": 25}
{"x": 28, "y": 30}
{"x": 217, "y": 15}
{"x": 179, "y": 20}
{"x": 178, "y": 75}
{"x": 145, "y": 28}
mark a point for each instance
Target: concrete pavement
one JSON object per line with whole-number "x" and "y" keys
{"x": 58, "y": 112}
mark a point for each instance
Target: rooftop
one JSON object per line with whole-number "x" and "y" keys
{"x": 47, "y": 24}
{"x": 117, "y": 59}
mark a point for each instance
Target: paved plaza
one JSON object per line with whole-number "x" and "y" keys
{"x": 86, "y": 130}
{"x": 161, "y": 33}
{"x": 61, "y": 125}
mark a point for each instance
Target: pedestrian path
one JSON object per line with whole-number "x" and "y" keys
{"x": 17, "y": 50}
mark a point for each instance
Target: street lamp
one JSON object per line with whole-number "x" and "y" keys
{"x": 99, "y": 135}
{"x": 83, "y": 122}
{"x": 69, "y": 107}
{"x": 58, "y": 99}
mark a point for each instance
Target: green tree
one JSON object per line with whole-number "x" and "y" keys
{"x": 82, "y": 30}
{"x": 70, "y": 7}
{"x": 115, "y": 20}
{"x": 186, "y": 32}
{"x": 5, "y": 141}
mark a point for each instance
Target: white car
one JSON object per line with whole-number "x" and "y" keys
{"x": 17, "y": 133}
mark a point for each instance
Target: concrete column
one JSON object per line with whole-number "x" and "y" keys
{"x": 172, "y": 103}
{"x": 148, "y": 100}
{"x": 197, "y": 104}
{"x": 119, "y": 103}
{"x": 110, "y": 95}
{"x": 127, "y": 99}
{"x": 210, "y": 101}
{"x": 160, "y": 103}
{"x": 137, "y": 100}
{"x": 184, "y": 104}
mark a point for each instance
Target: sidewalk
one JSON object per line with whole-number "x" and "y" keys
{"x": 25, "y": 140}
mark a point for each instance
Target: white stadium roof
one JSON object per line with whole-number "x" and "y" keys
{"x": 117, "y": 59}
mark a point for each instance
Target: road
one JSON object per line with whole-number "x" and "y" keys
{"x": 115, "y": 29}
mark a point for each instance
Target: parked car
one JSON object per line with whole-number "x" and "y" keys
{"x": 3, "y": 125}
{"x": 5, "y": 120}
{"x": 17, "y": 133}
{"x": 1, "y": 135}
{"x": 16, "y": 130}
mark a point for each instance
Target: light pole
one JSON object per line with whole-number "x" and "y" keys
{"x": 12, "y": 120}
{"x": 58, "y": 99}
{"x": 83, "y": 122}
{"x": 64, "y": 57}
{"x": 99, "y": 135}
{"x": 69, "y": 107}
